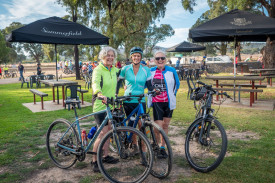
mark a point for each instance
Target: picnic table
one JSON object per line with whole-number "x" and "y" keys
{"x": 54, "y": 83}
{"x": 261, "y": 73}
{"x": 238, "y": 78}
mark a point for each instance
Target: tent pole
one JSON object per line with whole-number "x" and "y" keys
{"x": 57, "y": 92}
{"x": 56, "y": 62}
{"x": 234, "y": 66}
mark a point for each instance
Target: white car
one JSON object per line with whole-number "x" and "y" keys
{"x": 219, "y": 59}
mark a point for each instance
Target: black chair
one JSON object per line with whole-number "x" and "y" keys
{"x": 50, "y": 76}
{"x": 197, "y": 74}
{"x": 72, "y": 95}
{"x": 191, "y": 88}
{"x": 39, "y": 78}
{"x": 33, "y": 79}
{"x": 23, "y": 81}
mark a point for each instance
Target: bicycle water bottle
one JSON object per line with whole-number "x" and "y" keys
{"x": 92, "y": 132}
{"x": 84, "y": 138}
{"x": 131, "y": 121}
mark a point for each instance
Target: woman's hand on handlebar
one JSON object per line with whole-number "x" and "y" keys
{"x": 103, "y": 98}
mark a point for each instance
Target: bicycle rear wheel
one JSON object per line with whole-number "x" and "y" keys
{"x": 56, "y": 133}
{"x": 162, "y": 155}
{"x": 205, "y": 156}
{"x": 130, "y": 168}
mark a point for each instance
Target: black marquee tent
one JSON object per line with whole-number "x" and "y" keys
{"x": 185, "y": 47}
{"x": 236, "y": 26}
{"x": 55, "y": 30}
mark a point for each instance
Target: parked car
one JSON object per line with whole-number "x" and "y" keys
{"x": 219, "y": 59}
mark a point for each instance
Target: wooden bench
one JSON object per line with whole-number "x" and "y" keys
{"x": 270, "y": 79}
{"x": 82, "y": 92}
{"x": 243, "y": 85}
{"x": 40, "y": 94}
{"x": 239, "y": 90}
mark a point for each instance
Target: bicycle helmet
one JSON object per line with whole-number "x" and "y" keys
{"x": 136, "y": 50}
{"x": 204, "y": 56}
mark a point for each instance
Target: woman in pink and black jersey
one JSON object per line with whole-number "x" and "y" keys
{"x": 166, "y": 79}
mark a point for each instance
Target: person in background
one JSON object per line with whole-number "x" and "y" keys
{"x": 95, "y": 64}
{"x": 21, "y": 70}
{"x": 148, "y": 62}
{"x": 6, "y": 70}
{"x": 127, "y": 62}
{"x": 104, "y": 83}
{"x": 178, "y": 63}
{"x": 170, "y": 62}
{"x": 0, "y": 72}
{"x": 118, "y": 64}
{"x": 248, "y": 59}
{"x": 203, "y": 65}
{"x": 39, "y": 70}
{"x": 90, "y": 68}
{"x": 166, "y": 79}
{"x": 143, "y": 63}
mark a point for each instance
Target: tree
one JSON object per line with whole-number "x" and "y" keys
{"x": 35, "y": 50}
{"x": 155, "y": 34}
{"x": 257, "y": 6}
{"x": 76, "y": 8}
{"x": 48, "y": 50}
{"x": 126, "y": 22}
{"x": 4, "y": 50}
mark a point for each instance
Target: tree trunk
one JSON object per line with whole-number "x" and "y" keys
{"x": 238, "y": 51}
{"x": 223, "y": 48}
{"x": 76, "y": 59}
{"x": 268, "y": 52}
{"x": 76, "y": 53}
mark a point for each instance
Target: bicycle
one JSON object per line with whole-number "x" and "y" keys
{"x": 65, "y": 146}
{"x": 162, "y": 163}
{"x": 206, "y": 140}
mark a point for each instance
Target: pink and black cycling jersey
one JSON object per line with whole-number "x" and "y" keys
{"x": 158, "y": 82}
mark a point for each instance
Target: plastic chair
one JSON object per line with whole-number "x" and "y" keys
{"x": 23, "y": 81}
{"x": 33, "y": 79}
{"x": 72, "y": 95}
{"x": 39, "y": 78}
{"x": 50, "y": 76}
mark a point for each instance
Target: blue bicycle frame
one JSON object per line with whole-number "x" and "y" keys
{"x": 76, "y": 123}
{"x": 140, "y": 111}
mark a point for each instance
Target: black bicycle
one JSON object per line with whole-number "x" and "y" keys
{"x": 162, "y": 161}
{"x": 206, "y": 140}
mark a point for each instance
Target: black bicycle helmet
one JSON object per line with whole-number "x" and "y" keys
{"x": 136, "y": 50}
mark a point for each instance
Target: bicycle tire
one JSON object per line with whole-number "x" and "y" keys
{"x": 162, "y": 166}
{"x": 62, "y": 158}
{"x": 129, "y": 168}
{"x": 204, "y": 158}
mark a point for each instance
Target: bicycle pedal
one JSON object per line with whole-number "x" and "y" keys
{"x": 91, "y": 152}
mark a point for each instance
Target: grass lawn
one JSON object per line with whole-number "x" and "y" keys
{"x": 23, "y": 151}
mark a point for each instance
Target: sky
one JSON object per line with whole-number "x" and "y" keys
{"x": 27, "y": 11}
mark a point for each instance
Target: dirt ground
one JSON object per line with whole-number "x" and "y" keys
{"x": 180, "y": 169}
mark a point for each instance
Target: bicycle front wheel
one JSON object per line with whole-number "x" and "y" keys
{"x": 125, "y": 167}
{"x": 162, "y": 150}
{"x": 60, "y": 132}
{"x": 206, "y": 155}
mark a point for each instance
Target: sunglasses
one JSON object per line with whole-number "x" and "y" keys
{"x": 162, "y": 58}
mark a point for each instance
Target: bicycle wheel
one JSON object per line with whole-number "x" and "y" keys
{"x": 162, "y": 156}
{"x": 129, "y": 168}
{"x": 205, "y": 156}
{"x": 56, "y": 132}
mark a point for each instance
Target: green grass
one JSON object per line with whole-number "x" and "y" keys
{"x": 22, "y": 137}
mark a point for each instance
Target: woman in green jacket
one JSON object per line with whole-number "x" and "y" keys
{"x": 104, "y": 82}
